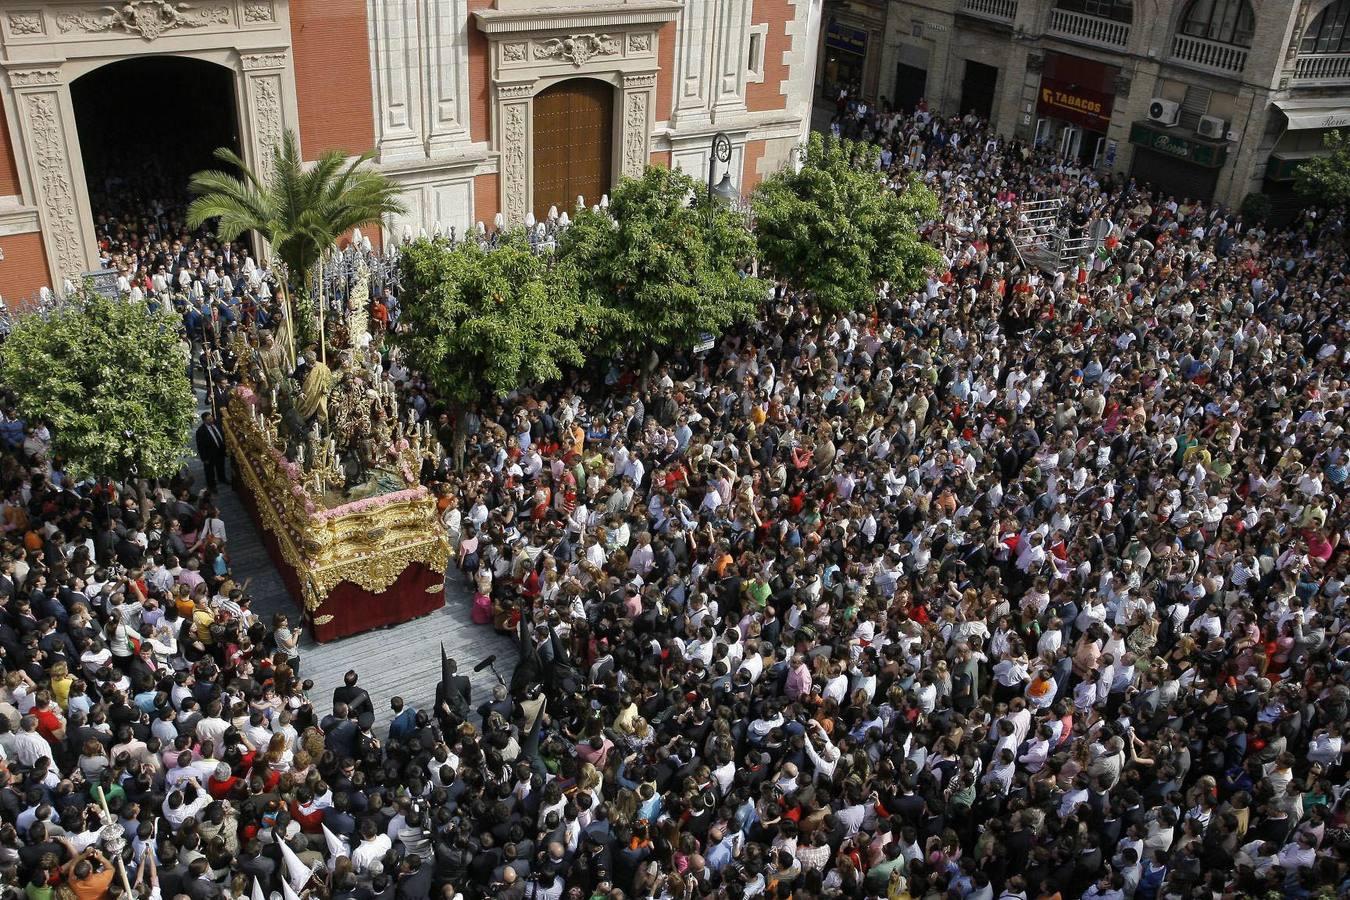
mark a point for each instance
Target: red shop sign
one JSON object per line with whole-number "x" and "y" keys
{"x": 1074, "y": 103}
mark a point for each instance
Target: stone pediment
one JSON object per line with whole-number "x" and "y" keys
{"x": 510, "y": 16}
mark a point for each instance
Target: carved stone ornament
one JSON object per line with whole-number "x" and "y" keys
{"x": 25, "y": 23}
{"x": 512, "y": 91}
{"x": 267, "y": 107}
{"x": 577, "y": 49}
{"x": 258, "y": 13}
{"x": 513, "y": 162}
{"x": 639, "y": 43}
{"x": 55, "y": 185}
{"x": 34, "y": 77}
{"x": 513, "y": 52}
{"x": 254, "y": 61}
{"x": 635, "y": 133}
{"x": 148, "y": 18}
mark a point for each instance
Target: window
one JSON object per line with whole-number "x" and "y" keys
{"x": 1115, "y": 10}
{"x": 1327, "y": 34}
{"x": 754, "y": 65}
{"x": 1225, "y": 21}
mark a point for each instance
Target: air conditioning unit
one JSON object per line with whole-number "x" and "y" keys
{"x": 1212, "y": 127}
{"x": 1163, "y": 111}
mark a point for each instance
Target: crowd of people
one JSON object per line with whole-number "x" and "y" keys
{"x": 1021, "y": 585}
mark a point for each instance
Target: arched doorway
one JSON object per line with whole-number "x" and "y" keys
{"x": 145, "y": 126}
{"x": 573, "y": 143}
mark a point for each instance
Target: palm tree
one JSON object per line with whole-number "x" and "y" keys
{"x": 301, "y": 212}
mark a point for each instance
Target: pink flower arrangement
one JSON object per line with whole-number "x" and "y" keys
{"x": 358, "y": 506}
{"x": 247, "y": 395}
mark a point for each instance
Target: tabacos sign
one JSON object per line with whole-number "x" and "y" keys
{"x": 1074, "y": 104}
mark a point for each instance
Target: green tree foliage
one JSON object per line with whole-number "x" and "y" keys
{"x": 300, "y": 211}
{"x": 661, "y": 270}
{"x": 1326, "y": 179}
{"x": 836, "y": 229}
{"x": 111, "y": 379}
{"x": 478, "y": 321}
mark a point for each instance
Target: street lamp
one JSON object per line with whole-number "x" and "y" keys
{"x": 724, "y": 190}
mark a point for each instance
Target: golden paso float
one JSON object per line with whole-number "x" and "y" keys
{"x": 329, "y": 473}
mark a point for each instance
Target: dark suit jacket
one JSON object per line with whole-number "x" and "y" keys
{"x": 202, "y": 889}
{"x": 356, "y": 698}
{"x": 210, "y": 445}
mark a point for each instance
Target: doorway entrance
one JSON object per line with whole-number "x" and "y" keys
{"x": 145, "y": 126}
{"x": 911, "y": 83}
{"x": 977, "y": 89}
{"x": 573, "y": 144}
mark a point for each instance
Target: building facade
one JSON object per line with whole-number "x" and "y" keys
{"x": 1202, "y": 98}
{"x": 478, "y": 107}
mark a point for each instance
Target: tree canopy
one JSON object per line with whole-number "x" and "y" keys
{"x": 661, "y": 270}
{"x": 111, "y": 379}
{"x": 1326, "y": 179}
{"x": 299, "y": 211}
{"x": 478, "y": 321}
{"x": 835, "y": 227}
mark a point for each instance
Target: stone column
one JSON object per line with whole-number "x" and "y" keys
{"x": 635, "y": 137}
{"x": 514, "y": 126}
{"x": 56, "y": 170}
{"x": 265, "y": 104}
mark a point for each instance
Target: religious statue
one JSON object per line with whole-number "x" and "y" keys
{"x": 314, "y": 395}
{"x": 272, "y": 359}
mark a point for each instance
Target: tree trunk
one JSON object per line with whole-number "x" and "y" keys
{"x": 143, "y": 498}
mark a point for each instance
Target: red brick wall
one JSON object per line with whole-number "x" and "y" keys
{"x": 665, "y": 78}
{"x": 480, "y": 117}
{"x": 9, "y": 171}
{"x": 754, "y": 152}
{"x": 766, "y": 95}
{"x": 660, "y": 158}
{"x": 373, "y": 231}
{"x": 23, "y": 271}
{"x": 486, "y": 198}
{"x": 332, "y": 76}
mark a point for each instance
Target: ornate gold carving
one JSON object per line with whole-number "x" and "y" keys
{"x": 370, "y": 546}
{"x": 148, "y": 18}
{"x": 25, "y": 23}
{"x": 578, "y": 49}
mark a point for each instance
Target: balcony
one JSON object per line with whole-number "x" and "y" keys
{"x": 1086, "y": 29}
{"x": 1211, "y": 56}
{"x": 1004, "y": 11}
{"x": 1321, "y": 70}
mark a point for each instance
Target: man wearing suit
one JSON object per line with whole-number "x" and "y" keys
{"x": 452, "y": 695}
{"x": 211, "y": 450}
{"x": 356, "y": 698}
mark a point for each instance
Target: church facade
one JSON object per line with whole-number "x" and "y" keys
{"x": 480, "y": 108}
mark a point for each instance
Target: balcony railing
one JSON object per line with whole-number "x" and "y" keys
{"x": 1089, "y": 29}
{"x": 997, "y": 10}
{"x": 1321, "y": 69}
{"x": 1210, "y": 55}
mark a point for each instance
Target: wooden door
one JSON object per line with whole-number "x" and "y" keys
{"x": 573, "y": 144}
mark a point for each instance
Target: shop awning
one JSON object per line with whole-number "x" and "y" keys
{"x": 1320, "y": 112}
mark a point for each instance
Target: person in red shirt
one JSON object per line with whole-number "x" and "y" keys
{"x": 50, "y": 724}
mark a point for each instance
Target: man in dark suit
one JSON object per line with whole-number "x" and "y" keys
{"x": 211, "y": 450}
{"x": 452, "y": 695}
{"x": 356, "y": 698}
